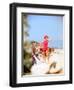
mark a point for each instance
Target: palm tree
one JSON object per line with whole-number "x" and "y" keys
{"x": 25, "y": 26}
{"x": 27, "y": 62}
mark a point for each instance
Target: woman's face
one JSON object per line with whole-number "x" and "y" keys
{"x": 46, "y": 39}
{"x": 33, "y": 44}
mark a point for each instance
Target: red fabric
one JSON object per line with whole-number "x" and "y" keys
{"x": 44, "y": 46}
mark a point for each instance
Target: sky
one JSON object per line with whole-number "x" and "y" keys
{"x": 41, "y": 25}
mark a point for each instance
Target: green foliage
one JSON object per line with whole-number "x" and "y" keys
{"x": 27, "y": 61}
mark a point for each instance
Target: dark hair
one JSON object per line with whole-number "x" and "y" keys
{"x": 45, "y": 36}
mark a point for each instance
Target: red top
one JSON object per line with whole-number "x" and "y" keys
{"x": 45, "y": 45}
